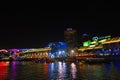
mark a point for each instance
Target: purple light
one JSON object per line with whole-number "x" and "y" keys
{"x": 14, "y": 50}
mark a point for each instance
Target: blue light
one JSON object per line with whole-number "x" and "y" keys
{"x": 57, "y": 48}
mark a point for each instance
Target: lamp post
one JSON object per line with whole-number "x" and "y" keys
{"x": 72, "y": 51}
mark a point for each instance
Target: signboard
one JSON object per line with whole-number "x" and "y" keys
{"x": 96, "y": 40}
{"x": 86, "y": 43}
{"x": 100, "y": 38}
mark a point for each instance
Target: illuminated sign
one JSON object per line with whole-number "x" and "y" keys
{"x": 86, "y": 43}
{"x": 100, "y": 38}
{"x": 96, "y": 40}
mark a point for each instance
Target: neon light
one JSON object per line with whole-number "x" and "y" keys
{"x": 87, "y": 43}
{"x": 3, "y": 50}
{"x": 100, "y": 38}
{"x": 95, "y": 38}
{"x": 103, "y": 40}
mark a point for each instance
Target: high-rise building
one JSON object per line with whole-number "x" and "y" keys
{"x": 70, "y": 36}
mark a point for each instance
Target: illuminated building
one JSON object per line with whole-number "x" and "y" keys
{"x": 70, "y": 36}
{"x": 58, "y": 49}
{"x": 104, "y": 45}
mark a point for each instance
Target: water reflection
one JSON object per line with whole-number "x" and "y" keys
{"x": 13, "y": 70}
{"x": 59, "y": 71}
{"x": 73, "y": 70}
{"x": 53, "y": 70}
{"x": 114, "y": 71}
{"x": 3, "y": 70}
{"x": 45, "y": 69}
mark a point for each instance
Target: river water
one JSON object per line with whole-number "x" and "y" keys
{"x": 59, "y": 71}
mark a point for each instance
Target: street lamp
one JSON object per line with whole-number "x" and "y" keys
{"x": 72, "y": 51}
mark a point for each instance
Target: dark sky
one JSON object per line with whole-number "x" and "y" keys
{"x": 35, "y": 27}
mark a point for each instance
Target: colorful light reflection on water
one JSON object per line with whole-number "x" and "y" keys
{"x": 59, "y": 71}
{"x": 3, "y": 70}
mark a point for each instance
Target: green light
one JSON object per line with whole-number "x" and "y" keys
{"x": 86, "y": 43}
{"x": 95, "y": 38}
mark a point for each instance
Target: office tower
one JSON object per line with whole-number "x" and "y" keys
{"x": 70, "y": 36}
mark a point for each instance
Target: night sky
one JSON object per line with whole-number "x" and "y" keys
{"x": 35, "y": 27}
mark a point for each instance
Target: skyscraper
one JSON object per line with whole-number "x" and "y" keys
{"x": 70, "y": 36}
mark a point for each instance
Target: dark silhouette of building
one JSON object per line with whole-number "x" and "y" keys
{"x": 71, "y": 39}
